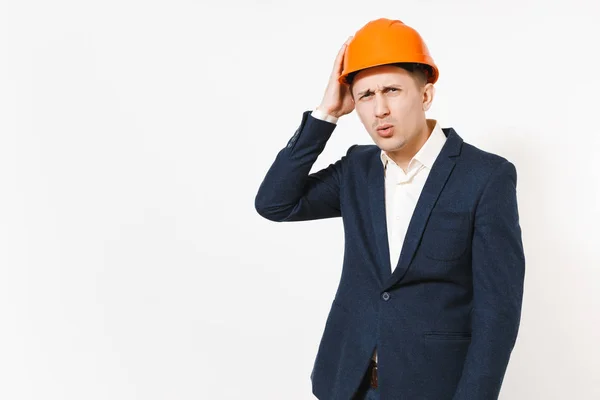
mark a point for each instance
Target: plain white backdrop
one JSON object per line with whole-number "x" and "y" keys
{"x": 135, "y": 134}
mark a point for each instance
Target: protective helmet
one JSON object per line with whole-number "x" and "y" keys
{"x": 384, "y": 41}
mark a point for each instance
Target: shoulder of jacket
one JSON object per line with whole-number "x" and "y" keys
{"x": 481, "y": 159}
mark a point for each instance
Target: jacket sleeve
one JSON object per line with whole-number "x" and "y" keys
{"x": 288, "y": 192}
{"x": 498, "y": 267}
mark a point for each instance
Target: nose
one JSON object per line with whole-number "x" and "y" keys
{"x": 381, "y": 107}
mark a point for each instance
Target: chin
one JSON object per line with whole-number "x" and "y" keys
{"x": 391, "y": 144}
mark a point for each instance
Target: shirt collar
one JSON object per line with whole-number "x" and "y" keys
{"x": 428, "y": 152}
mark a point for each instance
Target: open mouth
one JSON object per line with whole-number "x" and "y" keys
{"x": 385, "y": 130}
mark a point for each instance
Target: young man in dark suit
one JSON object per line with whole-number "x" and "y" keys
{"x": 429, "y": 302}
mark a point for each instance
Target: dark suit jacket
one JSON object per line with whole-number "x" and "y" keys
{"x": 446, "y": 320}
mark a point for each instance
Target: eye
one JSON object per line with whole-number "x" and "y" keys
{"x": 392, "y": 90}
{"x": 366, "y": 95}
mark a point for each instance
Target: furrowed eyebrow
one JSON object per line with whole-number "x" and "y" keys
{"x": 363, "y": 92}
{"x": 384, "y": 88}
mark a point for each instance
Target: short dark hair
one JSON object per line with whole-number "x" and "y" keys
{"x": 420, "y": 72}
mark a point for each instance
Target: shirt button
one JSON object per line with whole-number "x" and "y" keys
{"x": 385, "y": 296}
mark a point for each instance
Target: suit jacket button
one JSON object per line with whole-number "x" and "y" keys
{"x": 385, "y": 296}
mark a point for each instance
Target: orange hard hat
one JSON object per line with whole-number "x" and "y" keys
{"x": 385, "y": 41}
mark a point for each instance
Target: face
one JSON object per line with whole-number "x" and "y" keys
{"x": 391, "y": 104}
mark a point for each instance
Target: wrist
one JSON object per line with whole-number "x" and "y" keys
{"x": 320, "y": 114}
{"x": 327, "y": 114}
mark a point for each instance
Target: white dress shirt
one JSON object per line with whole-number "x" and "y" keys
{"x": 403, "y": 188}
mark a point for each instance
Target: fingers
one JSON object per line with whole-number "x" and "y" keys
{"x": 339, "y": 60}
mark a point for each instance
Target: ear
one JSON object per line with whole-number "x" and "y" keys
{"x": 428, "y": 94}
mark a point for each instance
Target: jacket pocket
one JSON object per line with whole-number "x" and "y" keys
{"x": 447, "y": 235}
{"x": 445, "y": 335}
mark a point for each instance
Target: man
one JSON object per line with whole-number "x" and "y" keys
{"x": 429, "y": 301}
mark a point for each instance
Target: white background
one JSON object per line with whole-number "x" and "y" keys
{"x": 134, "y": 136}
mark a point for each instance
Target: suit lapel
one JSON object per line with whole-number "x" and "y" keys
{"x": 434, "y": 184}
{"x": 376, "y": 181}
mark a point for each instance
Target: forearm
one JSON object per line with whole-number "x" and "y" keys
{"x": 288, "y": 179}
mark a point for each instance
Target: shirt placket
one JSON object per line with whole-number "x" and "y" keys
{"x": 400, "y": 187}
